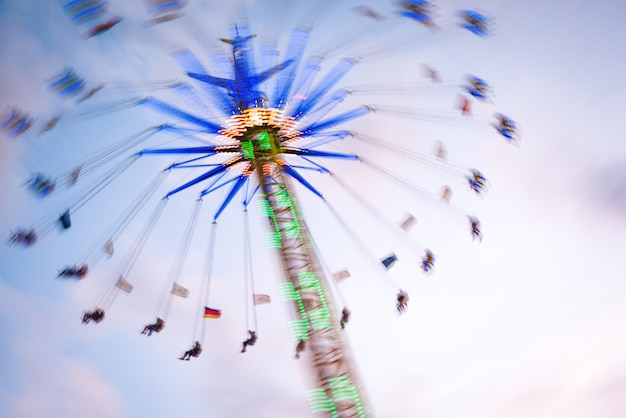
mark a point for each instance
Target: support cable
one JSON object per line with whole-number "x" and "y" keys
{"x": 406, "y": 88}
{"x": 249, "y": 271}
{"x": 94, "y": 254}
{"x": 107, "y": 295}
{"x": 45, "y": 225}
{"x": 410, "y": 154}
{"x": 399, "y": 45}
{"x": 391, "y": 226}
{"x": 435, "y": 200}
{"x": 106, "y": 109}
{"x": 447, "y": 117}
{"x": 333, "y": 284}
{"x": 167, "y": 295}
{"x": 319, "y": 10}
{"x": 206, "y": 285}
{"x": 105, "y": 155}
{"x": 388, "y": 281}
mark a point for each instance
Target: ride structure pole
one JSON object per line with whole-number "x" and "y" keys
{"x": 315, "y": 319}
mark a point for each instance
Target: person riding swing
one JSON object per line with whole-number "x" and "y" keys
{"x": 75, "y": 271}
{"x": 97, "y": 315}
{"x": 156, "y": 327}
{"x": 428, "y": 261}
{"x": 193, "y": 352}
{"x": 300, "y": 348}
{"x": 250, "y": 341}
{"x": 345, "y": 317}
{"x": 403, "y": 299}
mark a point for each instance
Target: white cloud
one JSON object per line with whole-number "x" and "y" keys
{"x": 576, "y": 373}
{"x": 40, "y": 379}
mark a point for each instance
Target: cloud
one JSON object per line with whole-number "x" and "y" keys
{"x": 607, "y": 188}
{"x": 579, "y": 373}
{"x": 53, "y": 385}
{"x": 39, "y": 378}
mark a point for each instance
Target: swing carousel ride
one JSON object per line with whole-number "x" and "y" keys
{"x": 260, "y": 124}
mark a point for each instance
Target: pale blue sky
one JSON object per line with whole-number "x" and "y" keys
{"x": 528, "y": 323}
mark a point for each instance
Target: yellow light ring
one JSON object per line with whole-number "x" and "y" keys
{"x": 239, "y": 125}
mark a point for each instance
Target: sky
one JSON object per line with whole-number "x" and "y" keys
{"x": 530, "y": 322}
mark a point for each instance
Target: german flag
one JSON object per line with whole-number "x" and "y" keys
{"x": 212, "y": 313}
